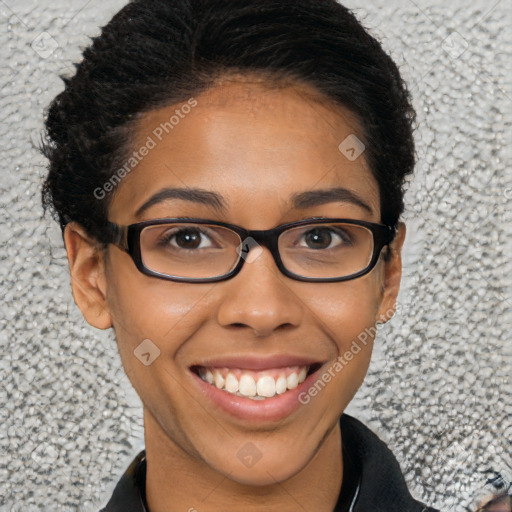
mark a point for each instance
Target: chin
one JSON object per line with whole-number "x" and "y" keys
{"x": 262, "y": 474}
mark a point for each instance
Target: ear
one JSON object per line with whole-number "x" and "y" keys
{"x": 88, "y": 280}
{"x": 391, "y": 276}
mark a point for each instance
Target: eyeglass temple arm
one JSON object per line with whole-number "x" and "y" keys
{"x": 117, "y": 235}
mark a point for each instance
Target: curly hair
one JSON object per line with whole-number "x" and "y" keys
{"x": 155, "y": 53}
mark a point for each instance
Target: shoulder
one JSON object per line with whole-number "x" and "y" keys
{"x": 382, "y": 485}
{"x": 127, "y": 493}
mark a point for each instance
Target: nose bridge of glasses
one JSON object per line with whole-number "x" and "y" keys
{"x": 263, "y": 237}
{"x": 254, "y": 239}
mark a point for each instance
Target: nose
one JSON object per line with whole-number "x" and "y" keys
{"x": 259, "y": 297}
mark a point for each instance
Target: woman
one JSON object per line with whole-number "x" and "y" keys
{"x": 228, "y": 178}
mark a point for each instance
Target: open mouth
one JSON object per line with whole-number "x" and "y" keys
{"x": 256, "y": 385}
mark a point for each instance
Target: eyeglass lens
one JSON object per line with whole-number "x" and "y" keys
{"x": 191, "y": 250}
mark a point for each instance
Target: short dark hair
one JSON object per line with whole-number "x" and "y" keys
{"x": 158, "y": 52}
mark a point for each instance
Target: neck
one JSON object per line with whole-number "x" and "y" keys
{"x": 179, "y": 481}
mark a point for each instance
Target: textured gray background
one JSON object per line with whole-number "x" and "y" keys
{"x": 439, "y": 388}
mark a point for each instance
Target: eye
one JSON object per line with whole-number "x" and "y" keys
{"x": 188, "y": 238}
{"x": 322, "y": 237}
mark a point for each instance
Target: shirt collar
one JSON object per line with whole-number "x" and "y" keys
{"x": 380, "y": 485}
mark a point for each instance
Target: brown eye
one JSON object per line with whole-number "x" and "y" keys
{"x": 184, "y": 238}
{"x": 321, "y": 238}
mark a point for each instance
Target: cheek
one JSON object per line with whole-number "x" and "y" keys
{"x": 345, "y": 310}
{"x": 165, "y": 313}
{"x": 144, "y": 307}
{"x": 347, "y": 314}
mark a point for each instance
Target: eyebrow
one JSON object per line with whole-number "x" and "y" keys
{"x": 194, "y": 195}
{"x": 302, "y": 200}
{"x": 299, "y": 200}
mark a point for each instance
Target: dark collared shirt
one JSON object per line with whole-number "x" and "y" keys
{"x": 372, "y": 482}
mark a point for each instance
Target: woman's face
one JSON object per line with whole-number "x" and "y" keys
{"x": 256, "y": 147}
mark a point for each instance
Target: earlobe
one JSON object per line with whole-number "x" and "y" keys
{"x": 391, "y": 276}
{"x": 87, "y": 272}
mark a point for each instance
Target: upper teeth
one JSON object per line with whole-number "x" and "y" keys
{"x": 256, "y": 385}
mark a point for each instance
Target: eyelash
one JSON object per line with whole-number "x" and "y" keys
{"x": 168, "y": 236}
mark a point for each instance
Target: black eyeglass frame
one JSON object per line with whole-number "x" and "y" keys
{"x": 127, "y": 238}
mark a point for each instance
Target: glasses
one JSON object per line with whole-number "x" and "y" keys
{"x": 194, "y": 250}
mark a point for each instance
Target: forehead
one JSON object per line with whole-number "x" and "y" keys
{"x": 248, "y": 140}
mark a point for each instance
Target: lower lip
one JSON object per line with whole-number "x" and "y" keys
{"x": 271, "y": 409}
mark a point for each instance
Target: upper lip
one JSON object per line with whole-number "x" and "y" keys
{"x": 258, "y": 363}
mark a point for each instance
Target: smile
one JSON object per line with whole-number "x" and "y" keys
{"x": 254, "y": 387}
{"x": 257, "y": 385}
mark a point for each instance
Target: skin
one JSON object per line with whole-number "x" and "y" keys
{"x": 256, "y": 146}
